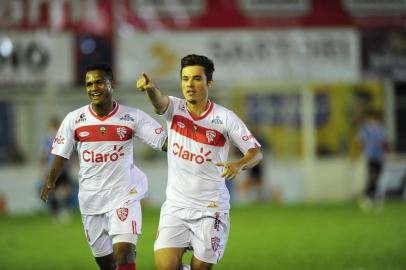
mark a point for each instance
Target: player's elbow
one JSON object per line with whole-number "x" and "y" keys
{"x": 259, "y": 156}
{"x": 160, "y": 110}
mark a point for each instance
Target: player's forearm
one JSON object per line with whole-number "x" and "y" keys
{"x": 159, "y": 100}
{"x": 251, "y": 158}
{"x": 56, "y": 169}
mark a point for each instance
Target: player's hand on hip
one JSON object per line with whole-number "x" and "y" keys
{"x": 230, "y": 170}
{"x": 144, "y": 83}
{"x": 46, "y": 188}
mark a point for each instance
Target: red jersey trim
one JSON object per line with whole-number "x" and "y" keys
{"x": 99, "y": 133}
{"x": 102, "y": 118}
{"x": 189, "y": 129}
{"x": 211, "y": 105}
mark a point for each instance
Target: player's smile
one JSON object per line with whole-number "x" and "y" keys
{"x": 96, "y": 96}
{"x": 191, "y": 92}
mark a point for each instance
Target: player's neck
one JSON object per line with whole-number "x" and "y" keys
{"x": 104, "y": 109}
{"x": 198, "y": 109}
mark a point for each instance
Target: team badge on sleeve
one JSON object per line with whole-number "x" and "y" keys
{"x": 122, "y": 213}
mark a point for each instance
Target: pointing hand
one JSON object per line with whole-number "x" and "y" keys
{"x": 144, "y": 83}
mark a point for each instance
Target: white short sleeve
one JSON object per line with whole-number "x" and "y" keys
{"x": 173, "y": 102}
{"x": 65, "y": 139}
{"x": 240, "y": 135}
{"x": 149, "y": 131}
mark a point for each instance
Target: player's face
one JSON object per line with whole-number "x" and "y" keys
{"x": 195, "y": 87}
{"x": 98, "y": 87}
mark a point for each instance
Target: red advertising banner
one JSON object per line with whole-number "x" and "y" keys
{"x": 107, "y": 16}
{"x": 92, "y": 16}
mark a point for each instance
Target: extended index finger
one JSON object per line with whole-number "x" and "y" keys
{"x": 146, "y": 77}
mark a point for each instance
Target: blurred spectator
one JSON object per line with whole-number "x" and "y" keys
{"x": 371, "y": 138}
{"x": 15, "y": 155}
{"x": 61, "y": 198}
{"x": 251, "y": 187}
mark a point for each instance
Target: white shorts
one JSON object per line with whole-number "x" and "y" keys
{"x": 205, "y": 232}
{"x": 122, "y": 224}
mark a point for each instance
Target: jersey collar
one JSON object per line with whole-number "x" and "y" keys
{"x": 102, "y": 118}
{"x": 209, "y": 109}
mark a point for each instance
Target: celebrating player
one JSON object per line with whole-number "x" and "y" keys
{"x": 196, "y": 211}
{"x": 110, "y": 185}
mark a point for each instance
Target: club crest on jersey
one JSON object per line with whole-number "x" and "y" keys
{"x": 127, "y": 117}
{"x": 122, "y": 213}
{"x": 210, "y": 135}
{"x": 215, "y": 241}
{"x": 82, "y": 118}
{"x": 121, "y": 131}
{"x": 102, "y": 129}
{"x": 217, "y": 120}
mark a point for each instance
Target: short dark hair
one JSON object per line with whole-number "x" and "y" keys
{"x": 103, "y": 67}
{"x": 199, "y": 60}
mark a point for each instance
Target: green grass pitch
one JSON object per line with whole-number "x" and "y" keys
{"x": 263, "y": 237}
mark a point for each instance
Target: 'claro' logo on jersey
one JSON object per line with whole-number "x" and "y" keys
{"x": 247, "y": 137}
{"x": 94, "y": 157}
{"x": 198, "y": 158}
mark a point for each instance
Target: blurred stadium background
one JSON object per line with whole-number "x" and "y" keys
{"x": 301, "y": 73}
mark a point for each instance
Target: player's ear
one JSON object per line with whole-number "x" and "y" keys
{"x": 210, "y": 83}
{"x": 113, "y": 84}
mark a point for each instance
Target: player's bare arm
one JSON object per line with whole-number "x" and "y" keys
{"x": 159, "y": 100}
{"x": 231, "y": 169}
{"x": 56, "y": 169}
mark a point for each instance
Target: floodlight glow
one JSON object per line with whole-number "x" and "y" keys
{"x": 6, "y": 47}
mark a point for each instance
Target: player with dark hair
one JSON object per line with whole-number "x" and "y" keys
{"x": 110, "y": 185}
{"x": 195, "y": 214}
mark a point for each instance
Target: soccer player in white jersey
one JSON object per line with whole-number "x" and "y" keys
{"x": 110, "y": 185}
{"x": 195, "y": 214}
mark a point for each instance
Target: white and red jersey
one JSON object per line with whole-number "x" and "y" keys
{"x": 194, "y": 146}
{"x": 107, "y": 174}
